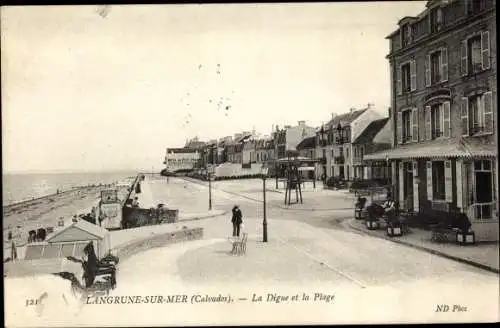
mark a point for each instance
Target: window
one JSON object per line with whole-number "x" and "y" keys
{"x": 406, "y": 34}
{"x": 482, "y": 201}
{"x": 437, "y": 121}
{"x": 475, "y": 53}
{"x": 475, "y": 6}
{"x": 406, "y": 77}
{"x": 406, "y": 126}
{"x": 477, "y": 114}
{"x": 435, "y": 67}
{"x": 436, "y": 19}
{"x": 475, "y": 58}
{"x": 361, "y": 151}
{"x": 438, "y": 181}
{"x": 341, "y": 151}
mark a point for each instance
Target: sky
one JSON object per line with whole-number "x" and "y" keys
{"x": 86, "y": 90}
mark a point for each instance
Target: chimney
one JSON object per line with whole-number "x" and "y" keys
{"x": 333, "y": 115}
{"x": 352, "y": 109}
{"x": 277, "y": 128}
{"x": 389, "y": 110}
{"x": 302, "y": 123}
{"x": 371, "y": 105}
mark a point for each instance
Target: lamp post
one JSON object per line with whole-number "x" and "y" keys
{"x": 264, "y": 222}
{"x": 209, "y": 173}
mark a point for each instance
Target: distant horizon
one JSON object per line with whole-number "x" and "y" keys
{"x": 61, "y": 171}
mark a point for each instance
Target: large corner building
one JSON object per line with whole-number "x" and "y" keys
{"x": 444, "y": 99}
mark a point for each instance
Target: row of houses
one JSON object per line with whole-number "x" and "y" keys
{"x": 437, "y": 144}
{"x": 337, "y": 147}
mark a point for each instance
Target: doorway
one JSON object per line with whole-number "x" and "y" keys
{"x": 408, "y": 185}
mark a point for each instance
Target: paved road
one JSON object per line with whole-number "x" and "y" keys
{"x": 304, "y": 245}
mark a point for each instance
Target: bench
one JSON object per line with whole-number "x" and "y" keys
{"x": 442, "y": 234}
{"x": 240, "y": 245}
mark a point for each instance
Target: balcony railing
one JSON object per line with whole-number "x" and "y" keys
{"x": 437, "y": 134}
{"x": 407, "y": 138}
{"x": 476, "y": 129}
{"x": 339, "y": 159}
{"x": 341, "y": 140}
{"x": 482, "y": 211}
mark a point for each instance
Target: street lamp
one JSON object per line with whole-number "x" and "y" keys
{"x": 264, "y": 171}
{"x": 209, "y": 173}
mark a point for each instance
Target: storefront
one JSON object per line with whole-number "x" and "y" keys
{"x": 438, "y": 177}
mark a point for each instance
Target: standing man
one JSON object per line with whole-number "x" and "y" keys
{"x": 237, "y": 220}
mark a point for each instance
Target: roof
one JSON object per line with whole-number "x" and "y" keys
{"x": 371, "y": 131}
{"x": 307, "y": 143}
{"x": 181, "y": 150}
{"x": 347, "y": 118}
{"x": 243, "y": 138}
{"x": 452, "y": 147}
{"x": 90, "y": 231}
{"x": 195, "y": 144}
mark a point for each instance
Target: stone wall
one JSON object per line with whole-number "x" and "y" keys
{"x": 141, "y": 245}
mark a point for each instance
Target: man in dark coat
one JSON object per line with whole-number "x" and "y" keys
{"x": 237, "y": 220}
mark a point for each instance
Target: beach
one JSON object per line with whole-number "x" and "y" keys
{"x": 45, "y": 211}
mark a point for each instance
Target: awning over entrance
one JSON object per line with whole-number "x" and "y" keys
{"x": 452, "y": 147}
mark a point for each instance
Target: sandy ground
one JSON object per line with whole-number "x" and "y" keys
{"x": 45, "y": 212}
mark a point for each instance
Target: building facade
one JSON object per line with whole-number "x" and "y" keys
{"x": 334, "y": 148}
{"x": 290, "y": 136}
{"x": 181, "y": 159}
{"x": 376, "y": 137}
{"x": 444, "y": 95}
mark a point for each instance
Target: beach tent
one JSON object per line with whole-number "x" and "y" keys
{"x": 70, "y": 241}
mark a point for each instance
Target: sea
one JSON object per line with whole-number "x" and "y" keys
{"x": 18, "y": 187}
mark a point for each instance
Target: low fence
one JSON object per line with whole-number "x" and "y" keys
{"x": 137, "y": 217}
{"x": 141, "y": 245}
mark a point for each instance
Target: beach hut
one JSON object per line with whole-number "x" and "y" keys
{"x": 70, "y": 241}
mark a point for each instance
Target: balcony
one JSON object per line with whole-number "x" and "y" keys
{"x": 339, "y": 159}
{"x": 322, "y": 143}
{"x": 476, "y": 129}
{"x": 340, "y": 141}
{"x": 407, "y": 138}
{"x": 437, "y": 134}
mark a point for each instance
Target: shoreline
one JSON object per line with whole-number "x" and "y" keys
{"x": 27, "y": 201}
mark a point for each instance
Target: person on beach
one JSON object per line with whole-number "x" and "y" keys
{"x": 237, "y": 220}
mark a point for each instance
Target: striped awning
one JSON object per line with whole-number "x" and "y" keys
{"x": 452, "y": 147}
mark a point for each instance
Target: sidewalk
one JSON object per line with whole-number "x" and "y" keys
{"x": 482, "y": 255}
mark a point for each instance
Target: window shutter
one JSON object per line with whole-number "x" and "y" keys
{"x": 413, "y": 75}
{"x": 448, "y": 183}
{"x": 414, "y": 130}
{"x": 428, "y": 128}
{"x": 464, "y": 61}
{"x": 427, "y": 71}
{"x": 398, "y": 79}
{"x": 428, "y": 169}
{"x": 399, "y": 127}
{"x": 485, "y": 49}
{"x": 488, "y": 112}
{"x": 415, "y": 187}
{"x": 464, "y": 110}
{"x": 446, "y": 119}
{"x": 444, "y": 64}
{"x": 459, "y": 184}
{"x": 401, "y": 185}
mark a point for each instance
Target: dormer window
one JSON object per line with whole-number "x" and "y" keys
{"x": 405, "y": 34}
{"x": 436, "y": 19}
